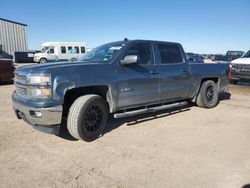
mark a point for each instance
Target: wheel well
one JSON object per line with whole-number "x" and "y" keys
{"x": 43, "y": 58}
{"x": 213, "y": 79}
{"x": 216, "y": 80}
{"x": 72, "y": 94}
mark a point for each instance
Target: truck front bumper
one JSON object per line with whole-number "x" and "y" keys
{"x": 47, "y": 120}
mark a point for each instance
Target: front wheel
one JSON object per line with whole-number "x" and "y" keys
{"x": 208, "y": 95}
{"x": 87, "y": 117}
{"x": 43, "y": 60}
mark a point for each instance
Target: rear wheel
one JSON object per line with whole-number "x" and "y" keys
{"x": 208, "y": 95}
{"x": 87, "y": 117}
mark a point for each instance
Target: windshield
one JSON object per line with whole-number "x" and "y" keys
{"x": 103, "y": 53}
{"x": 44, "y": 50}
{"x": 247, "y": 54}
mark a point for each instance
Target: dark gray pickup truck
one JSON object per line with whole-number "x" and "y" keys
{"x": 123, "y": 78}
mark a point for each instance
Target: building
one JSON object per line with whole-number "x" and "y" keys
{"x": 13, "y": 37}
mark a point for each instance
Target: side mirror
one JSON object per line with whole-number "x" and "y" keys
{"x": 130, "y": 59}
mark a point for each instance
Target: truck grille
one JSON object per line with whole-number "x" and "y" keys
{"x": 20, "y": 78}
{"x": 22, "y": 91}
{"x": 241, "y": 67}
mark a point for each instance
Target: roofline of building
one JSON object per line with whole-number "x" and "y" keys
{"x": 12, "y": 22}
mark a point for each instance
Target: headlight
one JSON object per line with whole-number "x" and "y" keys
{"x": 40, "y": 93}
{"x": 39, "y": 79}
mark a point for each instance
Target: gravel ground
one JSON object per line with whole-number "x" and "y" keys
{"x": 191, "y": 147}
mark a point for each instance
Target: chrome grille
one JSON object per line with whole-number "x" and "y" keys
{"x": 22, "y": 91}
{"x": 20, "y": 78}
{"x": 241, "y": 67}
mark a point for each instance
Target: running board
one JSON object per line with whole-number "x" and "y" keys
{"x": 150, "y": 110}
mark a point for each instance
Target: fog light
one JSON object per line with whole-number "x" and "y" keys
{"x": 36, "y": 114}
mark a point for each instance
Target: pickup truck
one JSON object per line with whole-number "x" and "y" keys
{"x": 122, "y": 78}
{"x": 240, "y": 69}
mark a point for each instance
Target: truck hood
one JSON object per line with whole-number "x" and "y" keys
{"x": 48, "y": 67}
{"x": 241, "y": 61}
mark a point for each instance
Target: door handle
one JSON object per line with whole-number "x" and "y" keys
{"x": 153, "y": 72}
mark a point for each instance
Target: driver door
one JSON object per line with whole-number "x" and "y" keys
{"x": 139, "y": 83}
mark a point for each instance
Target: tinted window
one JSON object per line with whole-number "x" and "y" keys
{"x": 69, "y": 49}
{"x": 143, "y": 51}
{"x": 1, "y": 51}
{"x": 63, "y": 49}
{"x": 82, "y": 49}
{"x": 170, "y": 54}
{"x": 76, "y": 49}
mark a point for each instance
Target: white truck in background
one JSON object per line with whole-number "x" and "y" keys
{"x": 240, "y": 68}
{"x": 60, "y": 51}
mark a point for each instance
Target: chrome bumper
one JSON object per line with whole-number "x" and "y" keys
{"x": 49, "y": 116}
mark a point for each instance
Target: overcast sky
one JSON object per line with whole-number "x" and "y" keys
{"x": 202, "y": 26}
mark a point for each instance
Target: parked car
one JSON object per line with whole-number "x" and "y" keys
{"x": 240, "y": 68}
{"x": 7, "y": 69}
{"x": 122, "y": 78}
{"x": 60, "y": 51}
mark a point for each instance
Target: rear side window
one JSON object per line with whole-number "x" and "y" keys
{"x": 83, "y": 49}
{"x": 69, "y": 49}
{"x": 63, "y": 49}
{"x": 76, "y": 49}
{"x": 170, "y": 54}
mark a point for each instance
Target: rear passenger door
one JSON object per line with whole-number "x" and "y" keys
{"x": 175, "y": 72}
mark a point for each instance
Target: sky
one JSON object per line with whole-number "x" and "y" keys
{"x": 201, "y": 26}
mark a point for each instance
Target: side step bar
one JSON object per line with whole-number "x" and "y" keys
{"x": 149, "y": 110}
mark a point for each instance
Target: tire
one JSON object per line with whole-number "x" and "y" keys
{"x": 208, "y": 95}
{"x": 73, "y": 59}
{"x": 43, "y": 60}
{"x": 87, "y": 117}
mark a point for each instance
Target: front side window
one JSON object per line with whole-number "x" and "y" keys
{"x": 170, "y": 54}
{"x": 1, "y": 48}
{"x": 143, "y": 51}
{"x": 63, "y": 49}
{"x": 51, "y": 50}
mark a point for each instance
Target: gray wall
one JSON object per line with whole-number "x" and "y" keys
{"x": 12, "y": 37}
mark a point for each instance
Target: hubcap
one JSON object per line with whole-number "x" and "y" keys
{"x": 210, "y": 93}
{"x": 93, "y": 118}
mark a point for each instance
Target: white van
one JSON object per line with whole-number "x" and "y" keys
{"x": 60, "y": 51}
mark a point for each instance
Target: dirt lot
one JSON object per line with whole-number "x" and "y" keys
{"x": 192, "y": 147}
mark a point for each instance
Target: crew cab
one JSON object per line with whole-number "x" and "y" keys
{"x": 122, "y": 78}
{"x": 240, "y": 69}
